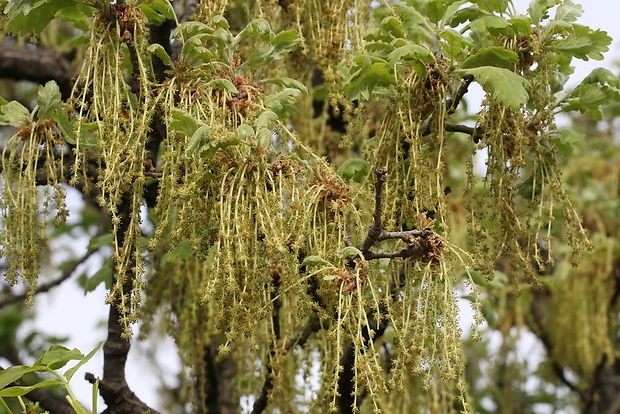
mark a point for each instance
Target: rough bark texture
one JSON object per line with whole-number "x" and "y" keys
{"x": 36, "y": 65}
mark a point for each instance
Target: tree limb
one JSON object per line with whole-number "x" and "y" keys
{"x": 36, "y": 65}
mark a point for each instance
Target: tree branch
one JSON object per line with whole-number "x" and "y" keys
{"x": 421, "y": 244}
{"x": 36, "y": 65}
{"x": 261, "y": 402}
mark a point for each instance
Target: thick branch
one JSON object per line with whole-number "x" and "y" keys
{"x": 36, "y": 65}
{"x": 261, "y": 402}
{"x": 113, "y": 386}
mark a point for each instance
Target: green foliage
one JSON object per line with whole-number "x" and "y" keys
{"x": 267, "y": 236}
{"x": 50, "y": 361}
{"x": 32, "y": 16}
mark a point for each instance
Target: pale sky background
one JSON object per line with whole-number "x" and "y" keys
{"x": 66, "y": 311}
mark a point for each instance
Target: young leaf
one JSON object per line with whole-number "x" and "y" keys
{"x": 71, "y": 371}
{"x": 222, "y": 83}
{"x": 32, "y": 16}
{"x": 503, "y": 85}
{"x": 61, "y": 117}
{"x": 491, "y": 56}
{"x": 159, "y": 51}
{"x": 183, "y": 122}
{"x": 316, "y": 261}
{"x": 565, "y": 139}
{"x": 182, "y": 251}
{"x": 288, "y": 83}
{"x": 350, "y": 251}
{"x": 245, "y": 131}
{"x": 265, "y": 120}
{"x": 12, "y": 374}
{"x": 354, "y": 169}
{"x": 583, "y": 43}
{"x": 103, "y": 275}
{"x": 538, "y": 9}
{"x": 368, "y": 77}
{"x": 12, "y": 113}
{"x": 199, "y": 139}
{"x": 57, "y": 357}
{"x": 48, "y": 100}
{"x": 20, "y": 391}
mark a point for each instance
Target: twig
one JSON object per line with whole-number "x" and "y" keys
{"x": 453, "y": 103}
{"x": 421, "y": 244}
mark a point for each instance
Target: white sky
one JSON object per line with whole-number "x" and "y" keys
{"x": 66, "y": 311}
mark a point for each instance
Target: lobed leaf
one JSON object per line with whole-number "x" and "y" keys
{"x": 503, "y": 85}
{"x": 12, "y": 113}
{"x": 491, "y": 56}
{"x": 48, "y": 100}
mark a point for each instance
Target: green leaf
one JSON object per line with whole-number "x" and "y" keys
{"x": 245, "y": 131}
{"x": 222, "y": 83}
{"x": 435, "y": 10}
{"x": 491, "y": 56}
{"x": 316, "y": 261}
{"x": 492, "y": 6}
{"x": 286, "y": 40}
{"x": 159, "y": 51}
{"x": 57, "y": 357}
{"x": 183, "y": 122}
{"x": 157, "y": 11}
{"x": 89, "y": 134}
{"x": 278, "y": 100}
{"x": 61, "y": 117}
{"x": 350, "y": 251}
{"x": 602, "y": 76}
{"x": 258, "y": 27}
{"x": 408, "y": 52}
{"x": 266, "y": 119}
{"x": 288, "y": 83}
{"x": 182, "y": 251}
{"x": 198, "y": 141}
{"x": 454, "y": 42}
{"x": 187, "y": 30}
{"x": 32, "y": 16}
{"x": 13, "y": 113}
{"x": 12, "y": 374}
{"x": 568, "y": 11}
{"x": 503, "y": 85}
{"x": 354, "y": 169}
{"x": 101, "y": 241}
{"x": 538, "y": 9}
{"x": 78, "y": 15}
{"x": 71, "y": 371}
{"x": 590, "y": 98}
{"x": 20, "y": 391}
{"x": 48, "y": 100}
{"x": 565, "y": 139}
{"x": 494, "y": 24}
{"x": 103, "y": 275}
{"x": 583, "y": 43}
{"x": 393, "y": 26}
{"x": 367, "y": 77}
